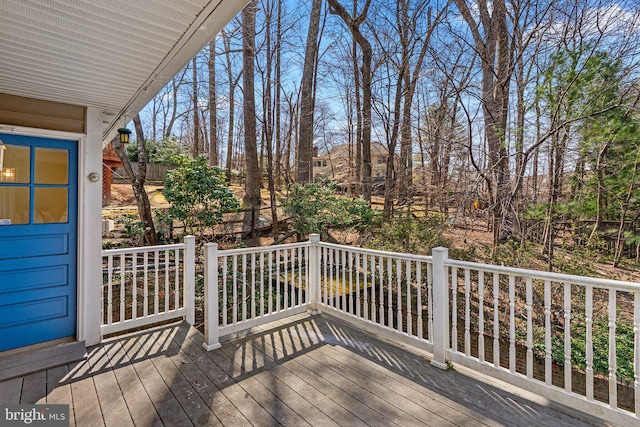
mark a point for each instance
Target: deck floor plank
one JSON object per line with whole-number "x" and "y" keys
{"x": 303, "y": 370}
{"x": 10, "y": 391}
{"x": 114, "y": 408}
{"x": 140, "y": 349}
{"x": 246, "y": 403}
{"x": 183, "y": 390}
{"x": 192, "y": 362}
{"x": 34, "y": 388}
{"x": 140, "y": 406}
{"x": 86, "y": 406}
{"x": 305, "y": 388}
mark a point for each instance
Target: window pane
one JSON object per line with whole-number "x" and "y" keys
{"x": 51, "y": 166}
{"x": 50, "y": 205}
{"x": 14, "y": 205}
{"x": 15, "y": 164}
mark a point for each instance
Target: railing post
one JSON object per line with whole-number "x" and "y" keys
{"x": 314, "y": 274}
{"x": 190, "y": 279}
{"x": 211, "y": 310}
{"x": 440, "y": 308}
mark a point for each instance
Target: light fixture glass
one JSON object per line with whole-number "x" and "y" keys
{"x": 124, "y": 135}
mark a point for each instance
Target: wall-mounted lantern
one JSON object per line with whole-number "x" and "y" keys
{"x": 124, "y": 135}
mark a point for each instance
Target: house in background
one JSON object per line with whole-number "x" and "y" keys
{"x": 71, "y": 74}
{"x": 338, "y": 163}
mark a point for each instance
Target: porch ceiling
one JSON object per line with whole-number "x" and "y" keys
{"x": 114, "y": 55}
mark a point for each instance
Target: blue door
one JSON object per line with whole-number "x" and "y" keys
{"x": 38, "y": 244}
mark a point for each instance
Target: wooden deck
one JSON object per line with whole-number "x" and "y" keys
{"x": 301, "y": 371}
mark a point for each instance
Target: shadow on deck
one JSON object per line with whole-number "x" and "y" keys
{"x": 305, "y": 370}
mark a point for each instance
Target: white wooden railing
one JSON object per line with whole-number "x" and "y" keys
{"x": 147, "y": 285}
{"x": 541, "y": 331}
{"x": 520, "y": 326}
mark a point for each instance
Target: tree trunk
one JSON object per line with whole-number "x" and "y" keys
{"x": 213, "y": 106}
{"x": 196, "y": 115}
{"x": 138, "y": 180}
{"x": 307, "y": 102}
{"x": 367, "y": 58}
{"x": 252, "y": 199}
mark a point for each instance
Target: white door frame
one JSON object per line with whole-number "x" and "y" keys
{"x": 89, "y": 232}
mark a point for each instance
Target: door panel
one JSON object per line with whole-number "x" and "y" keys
{"x": 38, "y": 240}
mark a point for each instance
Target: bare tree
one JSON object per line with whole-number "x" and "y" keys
{"x": 252, "y": 198}
{"x": 213, "y": 106}
{"x": 138, "y": 179}
{"x": 307, "y": 100}
{"x": 353, "y": 23}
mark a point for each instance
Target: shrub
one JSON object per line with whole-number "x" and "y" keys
{"x": 198, "y": 194}
{"x": 315, "y": 208}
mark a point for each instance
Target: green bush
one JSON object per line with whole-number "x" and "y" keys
{"x": 408, "y": 234}
{"x": 198, "y": 194}
{"x": 315, "y": 208}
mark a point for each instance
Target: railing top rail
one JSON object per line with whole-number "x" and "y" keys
{"x": 143, "y": 249}
{"x": 546, "y": 275}
{"x": 412, "y": 257}
{"x": 240, "y": 251}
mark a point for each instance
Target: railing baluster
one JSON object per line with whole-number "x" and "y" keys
{"x": 235, "y": 289}
{"x": 156, "y": 262}
{"x": 134, "y": 288}
{"x": 357, "y": 273}
{"x": 109, "y": 290}
{"x": 636, "y": 350}
{"x": 399, "y": 293}
{"x": 496, "y": 320}
{"x": 278, "y": 284}
{"x": 123, "y": 284}
{"x": 351, "y": 272}
{"x": 145, "y": 297}
{"x": 419, "y": 298}
{"x": 300, "y": 264}
{"x": 512, "y": 324}
{"x": 365, "y": 301}
{"x": 613, "y": 362}
{"x": 271, "y": 254}
{"x": 567, "y": 337}
{"x": 253, "y": 285}
{"x": 286, "y": 279}
{"x": 430, "y": 301}
{"x": 344, "y": 280}
{"x": 548, "y": 372}
{"x": 225, "y": 301}
{"x": 389, "y": 292}
{"x": 454, "y": 317}
{"x": 467, "y": 312}
{"x": 481, "y": 315}
{"x": 244, "y": 287}
{"x": 326, "y": 276}
{"x": 529, "y": 308}
{"x": 262, "y": 296}
{"x": 588, "y": 318}
{"x": 176, "y": 284}
{"x": 332, "y": 277}
{"x": 408, "y": 281}
{"x": 381, "y": 290}
{"x": 167, "y": 280}
{"x": 373, "y": 288}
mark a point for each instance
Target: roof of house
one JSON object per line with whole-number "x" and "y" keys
{"x": 115, "y": 55}
{"x": 342, "y": 151}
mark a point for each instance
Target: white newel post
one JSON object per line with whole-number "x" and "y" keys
{"x": 314, "y": 274}
{"x": 211, "y": 311}
{"x": 190, "y": 279}
{"x": 440, "y": 308}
